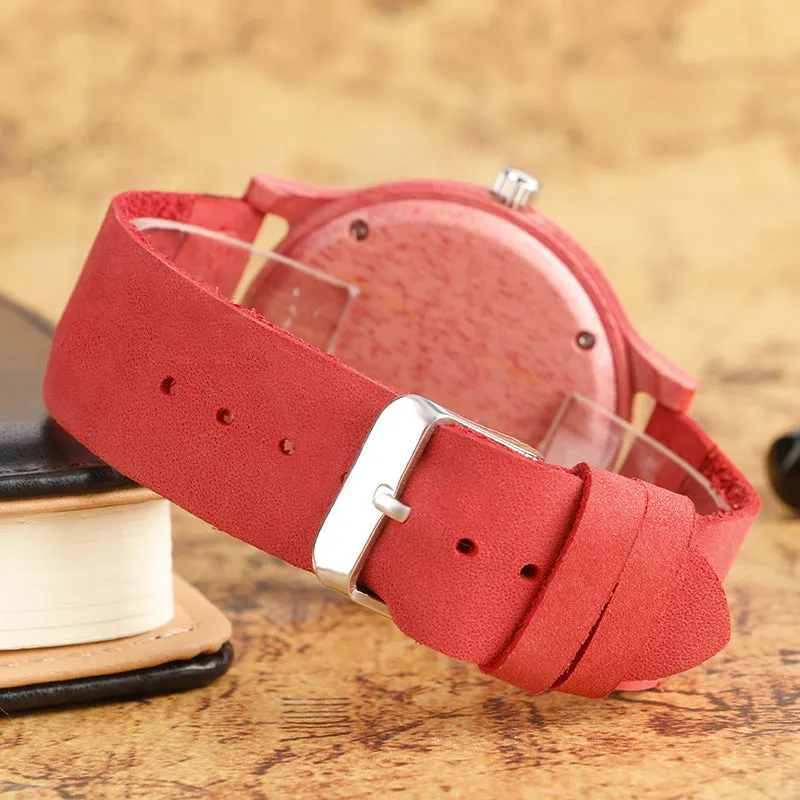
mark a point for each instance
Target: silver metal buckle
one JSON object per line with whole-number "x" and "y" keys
{"x": 370, "y": 492}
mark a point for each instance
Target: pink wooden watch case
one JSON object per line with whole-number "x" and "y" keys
{"x": 488, "y": 310}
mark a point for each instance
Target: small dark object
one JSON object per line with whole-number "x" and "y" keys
{"x": 359, "y": 229}
{"x": 783, "y": 463}
{"x": 586, "y": 340}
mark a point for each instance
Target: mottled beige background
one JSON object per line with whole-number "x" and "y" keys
{"x": 667, "y": 137}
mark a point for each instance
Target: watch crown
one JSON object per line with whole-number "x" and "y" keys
{"x": 515, "y": 188}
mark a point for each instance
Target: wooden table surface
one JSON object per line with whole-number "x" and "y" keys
{"x": 667, "y": 138}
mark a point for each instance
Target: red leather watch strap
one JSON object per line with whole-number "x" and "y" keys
{"x": 719, "y": 536}
{"x": 639, "y": 604}
{"x": 597, "y": 612}
{"x": 572, "y": 599}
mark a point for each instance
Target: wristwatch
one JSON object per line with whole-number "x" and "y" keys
{"x": 362, "y": 401}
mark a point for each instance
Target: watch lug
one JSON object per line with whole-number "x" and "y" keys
{"x": 653, "y": 373}
{"x": 288, "y": 199}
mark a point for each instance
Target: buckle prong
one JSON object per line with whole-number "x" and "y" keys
{"x": 386, "y": 502}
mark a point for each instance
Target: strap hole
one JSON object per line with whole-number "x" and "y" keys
{"x": 168, "y": 385}
{"x": 529, "y": 571}
{"x": 225, "y": 416}
{"x": 466, "y": 547}
{"x": 287, "y": 446}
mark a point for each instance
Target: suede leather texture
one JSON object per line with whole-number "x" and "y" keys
{"x": 627, "y": 582}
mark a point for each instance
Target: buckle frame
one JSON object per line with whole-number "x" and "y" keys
{"x": 371, "y": 490}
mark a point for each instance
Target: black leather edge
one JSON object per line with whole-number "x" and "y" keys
{"x": 174, "y": 676}
{"x": 62, "y": 482}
